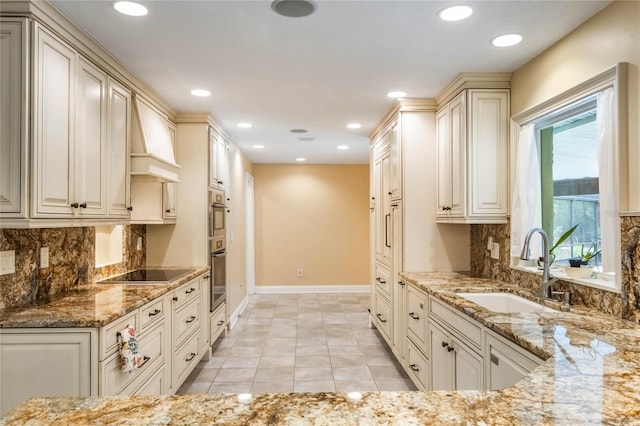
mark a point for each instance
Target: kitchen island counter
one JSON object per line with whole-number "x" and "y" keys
{"x": 591, "y": 376}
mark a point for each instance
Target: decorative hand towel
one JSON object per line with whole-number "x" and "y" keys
{"x": 130, "y": 358}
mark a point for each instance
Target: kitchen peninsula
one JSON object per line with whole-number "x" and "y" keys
{"x": 591, "y": 375}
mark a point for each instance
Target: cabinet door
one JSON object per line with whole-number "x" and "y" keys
{"x": 40, "y": 364}
{"x": 506, "y": 364}
{"x": 213, "y": 158}
{"x": 443, "y": 163}
{"x": 54, "y": 98}
{"x": 118, "y": 150}
{"x": 468, "y": 367}
{"x": 221, "y": 160}
{"x": 395, "y": 137}
{"x": 399, "y": 287}
{"x": 13, "y": 116}
{"x": 169, "y": 192}
{"x": 458, "y": 140}
{"x": 383, "y": 244}
{"x": 416, "y": 317}
{"x": 441, "y": 359}
{"x": 204, "y": 314}
{"x": 489, "y": 152}
{"x": 90, "y": 147}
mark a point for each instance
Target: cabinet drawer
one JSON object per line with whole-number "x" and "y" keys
{"x": 417, "y": 366}
{"x": 109, "y": 333}
{"x": 383, "y": 281}
{"x": 218, "y": 323}
{"x": 155, "y": 385}
{"x": 114, "y": 382}
{"x": 186, "y": 292}
{"x": 151, "y": 314}
{"x": 470, "y": 332}
{"x": 417, "y": 312}
{"x": 187, "y": 319}
{"x": 186, "y": 359}
{"x": 383, "y": 317}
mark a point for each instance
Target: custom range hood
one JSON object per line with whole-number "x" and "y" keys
{"x": 152, "y": 156}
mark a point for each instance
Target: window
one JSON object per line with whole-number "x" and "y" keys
{"x": 568, "y": 168}
{"x": 568, "y": 145}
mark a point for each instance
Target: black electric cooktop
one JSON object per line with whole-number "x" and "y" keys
{"x": 142, "y": 276}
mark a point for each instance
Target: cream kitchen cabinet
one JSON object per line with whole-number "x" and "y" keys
{"x": 217, "y": 322}
{"x": 217, "y": 160}
{"x": 382, "y": 173}
{"x": 506, "y": 363}
{"x": 78, "y": 124}
{"x": 14, "y": 116}
{"x": 472, "y": 157}
{"x": 399, "y": 297}
{"x": 46, "y": 362}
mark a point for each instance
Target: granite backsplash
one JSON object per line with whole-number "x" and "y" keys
{"x": 71, "y": 261}
{"x": 624, "y": 305}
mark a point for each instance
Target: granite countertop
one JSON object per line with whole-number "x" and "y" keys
{"x": 90, "y": 305}
{"x": 591, "y": 376}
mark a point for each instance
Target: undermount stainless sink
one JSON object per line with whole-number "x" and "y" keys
{"x": 505, "y": 302}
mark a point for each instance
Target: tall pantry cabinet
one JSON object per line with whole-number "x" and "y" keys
{"x": 404, "y": 235}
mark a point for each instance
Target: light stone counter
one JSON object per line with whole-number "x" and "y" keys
{"x": 591, "y": 376}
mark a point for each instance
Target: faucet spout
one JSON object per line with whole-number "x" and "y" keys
{"x": 547, "y": 280}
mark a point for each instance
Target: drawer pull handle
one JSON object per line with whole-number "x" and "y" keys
{"x": 145, "y": 360}
{"x": 191, "y": 319}
{"x": 401, "y": 283}
{"x": 414, "y": 316}
{"x": 154, "y": 313}
{"x": 381, "y": 281}
{"x": 380, "y": 318}
{"x": 191, "y": 290}
{"x": 191, "y": 357}
{"x": 220, "y": 323}
{"x": 414, "y": 367}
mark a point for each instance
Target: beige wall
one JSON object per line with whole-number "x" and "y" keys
{"x": 239, "y": 166}
{"x": 315, "y": 217}
{"x": 609, "y": 37}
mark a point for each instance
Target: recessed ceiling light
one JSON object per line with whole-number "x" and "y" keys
{"x": 343, "y": 147}
{"x": 397, "y": 94}
{"x": 293, "y": 8}
{"x": 455, "y": 13}
{"x": 200, "y": 92}
{"x": 354, "y": 125}
{"x": 298, "y": 130}
{"x": 130, "y": 8}
{"x": 258, "y": 146}
{"x": 245, "y": 125}
{"x": 301, "y": 159}
{"x": 506, "y": 40}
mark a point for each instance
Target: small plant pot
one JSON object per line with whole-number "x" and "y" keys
{"x": 575, "y": 263}
{"x": 580, "y": 272}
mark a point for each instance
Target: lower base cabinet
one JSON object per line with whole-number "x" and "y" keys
{"x": 507, "y": 363}
{"x": 42, "y": 362}
{"x": 418, "y": 366}
{"x": 217, "y": 323}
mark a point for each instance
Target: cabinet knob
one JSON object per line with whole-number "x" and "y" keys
{"x": 74, "y": 205}
{"x": 206, "y": 277}
{"x": 450, "y": 349}
{"x": 130, "y": 208}
{"x": 220, "y": 182}
{"x": 167, "y": 211}
{"x": 389, "y": 193}
{"x": 445, "y": 344}
{"x": 83, "y": 205}
{"x": 175, "y": 299}
{"x": 401, "y": 283}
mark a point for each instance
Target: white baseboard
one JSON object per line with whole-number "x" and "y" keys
{"x": 239, "y": 310}
{"x": 357, "y": 288}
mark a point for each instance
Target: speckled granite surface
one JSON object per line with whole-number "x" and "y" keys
{"x": 591, "y": 376}
{"x": 90, "y": 305}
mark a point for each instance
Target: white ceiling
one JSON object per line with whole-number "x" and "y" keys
{"x": 320, "y": 72}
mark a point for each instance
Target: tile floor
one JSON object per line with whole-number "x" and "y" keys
{"x": 300, "y": 343}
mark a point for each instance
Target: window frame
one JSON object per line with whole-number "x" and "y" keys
{"x": 615, "y": 77}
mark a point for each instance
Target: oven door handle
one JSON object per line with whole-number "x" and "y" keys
{"x": 219, "y": 254}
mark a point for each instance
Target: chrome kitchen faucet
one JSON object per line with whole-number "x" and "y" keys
{"x": 547, "y": 280}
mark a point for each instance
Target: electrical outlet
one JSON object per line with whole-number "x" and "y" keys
{"x": 495, "y": 251}
{"x": 489, "y": 243}
{"x": 300, "y": 272}
{"x": 44, "y": 257}
{"x": 8, "y": 262}
{"x": 139, "y": 244}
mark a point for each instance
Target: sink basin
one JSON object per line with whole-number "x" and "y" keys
{"x": 505, "y": 302}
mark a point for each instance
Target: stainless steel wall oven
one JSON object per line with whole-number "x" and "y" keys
{"x": 217, "y": 248}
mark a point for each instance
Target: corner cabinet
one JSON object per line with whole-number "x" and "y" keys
{"x": 472, "y": 157}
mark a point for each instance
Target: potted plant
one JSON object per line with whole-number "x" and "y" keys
{"x": 580, "y": 266}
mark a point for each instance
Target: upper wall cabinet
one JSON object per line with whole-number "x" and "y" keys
{"x": 217, "y": 160}
{"x": 472, "y": 157}
{"x": 74, "y": 169}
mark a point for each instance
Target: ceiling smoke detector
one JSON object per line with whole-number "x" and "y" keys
{"x": 293, "y": 8}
